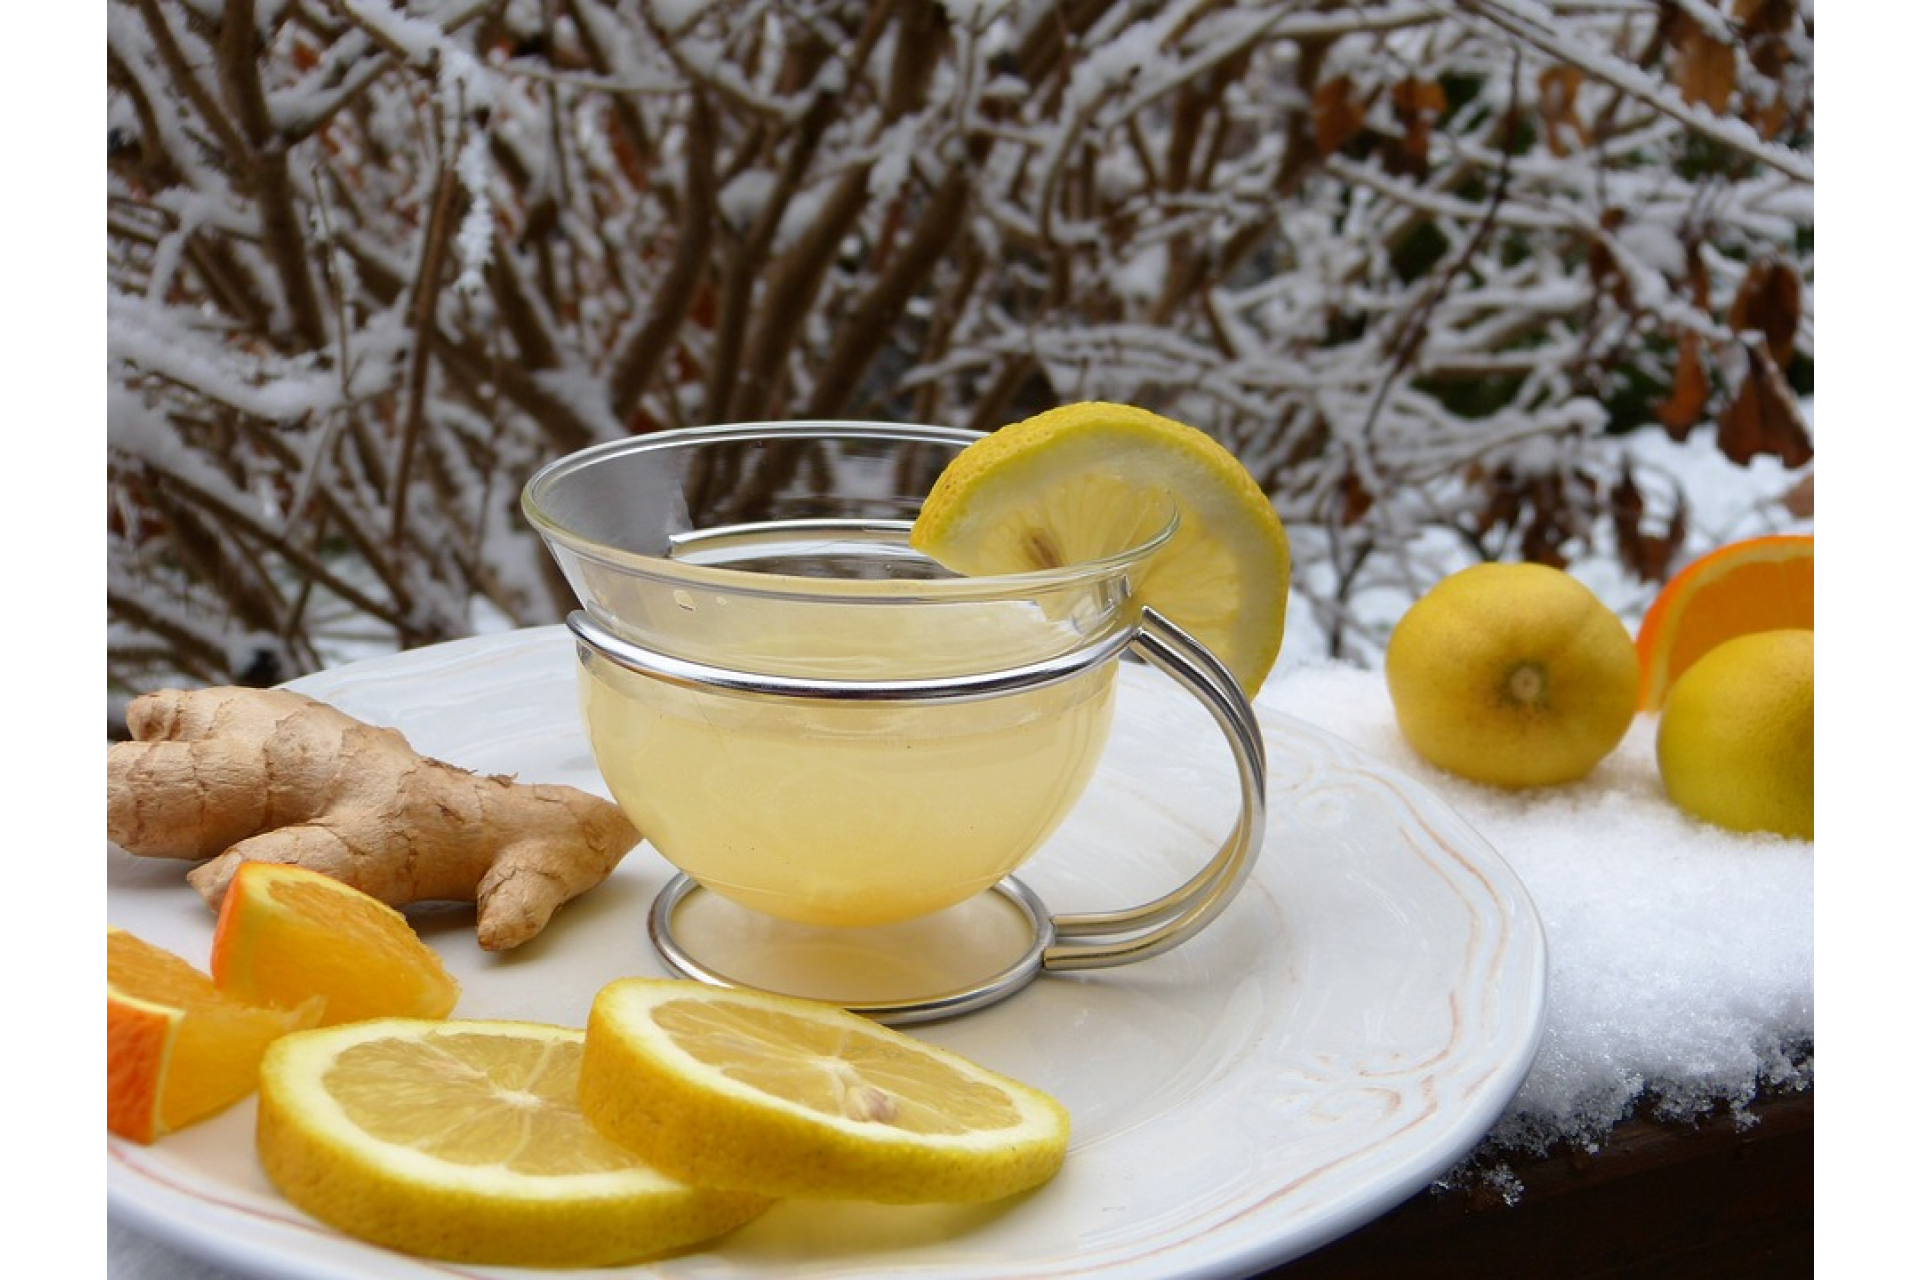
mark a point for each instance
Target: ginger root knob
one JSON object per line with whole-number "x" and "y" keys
{"x": 269, "y": 775}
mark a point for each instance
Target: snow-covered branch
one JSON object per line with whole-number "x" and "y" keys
{"x": 1419, "y": 263}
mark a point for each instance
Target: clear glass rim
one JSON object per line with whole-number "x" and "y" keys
{"x": 755, "y": 582}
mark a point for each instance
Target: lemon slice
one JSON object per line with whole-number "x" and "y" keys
{"x": 1067, "y": 486}
{"x": 464, "y": 1140}
{"x": 784, "y": 1096}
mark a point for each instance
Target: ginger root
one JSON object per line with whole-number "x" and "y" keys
{"x": 269, "y": 775}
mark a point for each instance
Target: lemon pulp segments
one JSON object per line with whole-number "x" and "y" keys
{"x": 791, "y": 1097}
{"x": 464, "y": 1140}
{"x": 1077, "y": 483}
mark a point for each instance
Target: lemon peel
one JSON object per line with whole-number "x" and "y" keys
{"x": 1515, "y": 675}
{"x": 1735, "y": 743}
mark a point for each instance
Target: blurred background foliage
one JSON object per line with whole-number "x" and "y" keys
{"x": 1421, "y": 265}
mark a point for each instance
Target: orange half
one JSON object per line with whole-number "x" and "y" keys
{"x": 178, "y": 1050}
{"x": 1756, "y": 584}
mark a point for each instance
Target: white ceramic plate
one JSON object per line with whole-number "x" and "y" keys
{"x": 1346, "y": 1031}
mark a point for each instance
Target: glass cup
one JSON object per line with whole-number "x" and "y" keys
{"x": 825, "y": 728}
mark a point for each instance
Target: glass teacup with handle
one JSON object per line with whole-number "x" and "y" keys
{"x": 845, "y": 751}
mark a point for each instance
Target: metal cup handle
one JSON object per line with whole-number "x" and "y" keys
{"x": 1095, "y": 940}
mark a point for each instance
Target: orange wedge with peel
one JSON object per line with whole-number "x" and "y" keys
{"x": 287, "y": 934}
{"x": 178, "y": 1048}
{"x": 1755, "y": 584}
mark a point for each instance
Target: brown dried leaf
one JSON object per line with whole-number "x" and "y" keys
{"x": 1799, "y": 500}
{"x": 1647, "y": 555}
{"x": 1541, "y": 541}
{"x": 1704, "y": 69}
{"x": 1416, "y": 100}
{"x": 632, "y": 165}
{"x": 1559, "y": 88}
{"x": 1768, "y": 118}
{"x": 1626, "y": 506}
{"x": 1769, "y": 301}
{"x": 1764, "y": 25}
{"x": 1764, "y": 418}
{"x": 1681, "y": 410}
{"x": 1697, "y": 284}
{"x": 1563, "y": 502}
{"x": 1503, "y": 501}
{"x": 1764, "y": 17}
{"x": 1337, "y": 115}
{"x": 1603, "y": 268}
{"x": 1416, "y": 105}
{"x": 1355, "y": 499}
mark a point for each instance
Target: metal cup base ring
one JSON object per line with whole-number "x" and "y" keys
{"x": 1007, "y": 928}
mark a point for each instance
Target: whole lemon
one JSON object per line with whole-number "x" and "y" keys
{"x": 1736, "y": 736}
{"x": 1512, "y": 674}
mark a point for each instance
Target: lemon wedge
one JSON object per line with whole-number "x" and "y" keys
{"x": 1074, "y": 483}
{"x": 791, "y": 1097}
{"x": 464, "y": 1140}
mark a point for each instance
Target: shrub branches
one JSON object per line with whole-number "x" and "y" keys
{"x": 1417, "y": 264}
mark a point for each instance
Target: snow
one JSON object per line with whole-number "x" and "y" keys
{"x": 475, "y": 238}
{"x": 1681, "y": 956}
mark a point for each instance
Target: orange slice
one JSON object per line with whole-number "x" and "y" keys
{"x": 178, "y": 1049}
{"x": 286, "y": 934}
{"x": 1756, "y": 584}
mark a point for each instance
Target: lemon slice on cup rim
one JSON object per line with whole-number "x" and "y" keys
{"x": 1073, "y": 484}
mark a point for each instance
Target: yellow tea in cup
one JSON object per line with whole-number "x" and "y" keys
{"x": 840, "y": 813}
